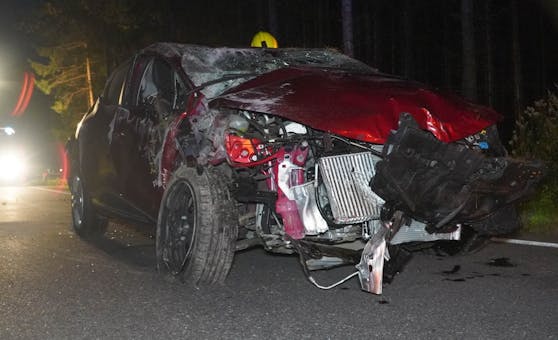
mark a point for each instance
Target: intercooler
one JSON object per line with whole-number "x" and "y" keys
{"x": 346, "y": 179}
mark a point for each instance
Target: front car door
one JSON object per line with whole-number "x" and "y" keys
{"x": 94, "y": 140}
{"x": 155, "y": 97}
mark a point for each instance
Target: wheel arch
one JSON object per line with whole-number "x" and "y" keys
{"x": 173, "y": 152}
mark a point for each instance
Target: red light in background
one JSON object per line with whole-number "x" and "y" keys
{"x": 64, "y": 162}
{"x": 25, "y": 94}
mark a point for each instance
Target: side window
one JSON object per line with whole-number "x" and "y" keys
{"x": 160, "y": 87}
{"x": 181, "y": 97}
{"x": 114, "y": 90}
{"x": 147, "y": 91}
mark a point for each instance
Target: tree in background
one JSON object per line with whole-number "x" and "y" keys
{"x": 347, "y": 22}
{"x": 97, "y": 35}
{"x": 406, "y": 55}
{"x": 535, "y": 137}
{"x": 488, "y": 57}
{"x": 438, "y": 42}
{"x": 67, "y": 77}
{"x": 516, "y": 58}
{"x": 469, "y": 59}
{"x": 535, "y": 134}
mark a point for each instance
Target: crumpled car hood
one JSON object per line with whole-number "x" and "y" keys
{"x": 364, "y": 107}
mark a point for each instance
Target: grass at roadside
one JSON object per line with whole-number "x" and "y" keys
{"x": 540, "y": 214}
{"x": 56, "y": 182}
{"x": 51, "y": 182}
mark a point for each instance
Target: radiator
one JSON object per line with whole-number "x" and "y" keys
{"x": 347, "y": 178}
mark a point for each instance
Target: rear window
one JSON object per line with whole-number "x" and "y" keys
{"x": 114, "y": 89}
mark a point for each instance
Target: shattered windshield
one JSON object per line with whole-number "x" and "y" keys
{"x": 206, "y": 65}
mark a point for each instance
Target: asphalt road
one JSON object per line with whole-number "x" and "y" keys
{"x": 54, "y": 285}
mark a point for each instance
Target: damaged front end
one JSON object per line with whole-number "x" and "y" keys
{"x": 297, "y": 151}
{"x": 341, "y": 197}
{"x": 309, "y": 192}
{"x": 449, "y": 184}
{"x": 446, "y": 186}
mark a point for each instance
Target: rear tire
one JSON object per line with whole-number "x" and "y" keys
{"x": 197, "y": 226}
{"x": 86, "y": 222}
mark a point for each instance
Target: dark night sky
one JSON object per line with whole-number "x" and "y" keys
{"x": 231, "y": 23}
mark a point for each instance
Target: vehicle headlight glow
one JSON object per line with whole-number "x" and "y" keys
{"x": 12, "y": 166}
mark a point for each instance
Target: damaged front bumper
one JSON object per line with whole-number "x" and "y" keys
{"x": 444, "y": 185}
{"x": 371, "y": 265}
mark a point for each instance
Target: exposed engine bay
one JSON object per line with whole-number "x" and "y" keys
{"x": 308, "y": 191}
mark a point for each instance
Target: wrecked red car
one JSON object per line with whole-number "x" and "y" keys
{"x": 295, "y": 150}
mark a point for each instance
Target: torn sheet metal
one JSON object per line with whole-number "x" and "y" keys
{"x": 305, "y": 197}
{"x": 371, "y": 265}
{"x": 448, "y": 184}
{"x": 416, "y": 232}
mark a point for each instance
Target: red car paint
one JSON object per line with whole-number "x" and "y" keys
{"x": 363, "y": 107}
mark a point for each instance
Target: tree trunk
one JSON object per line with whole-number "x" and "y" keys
{"x": 316, "y": 27}
{"x": 516, "y": 60}
{"x": 447, "y": 67}
{"x": 406, "y": 53}
{"x": 489, "y": 58}
{"x": 171, "y": 20}
{"x": 377, "y": 25}
{"x": 320, "y": 24}
{"x": 272, "y": 18}
{"x": 469, "y": 75}
{"x": 326, "y": 28}
{"x": 542, "y": 55}
{"x": 393, "y": 50}
{"x": 347, "y": 18}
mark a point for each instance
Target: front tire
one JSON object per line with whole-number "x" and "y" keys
{"x": 85, "y": 220}
{"x": 197, "y": 226}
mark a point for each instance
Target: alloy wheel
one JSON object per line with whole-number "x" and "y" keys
{"x": 179, "y": 226}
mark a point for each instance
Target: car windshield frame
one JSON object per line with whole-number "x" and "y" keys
{"x": 209, "y": 65}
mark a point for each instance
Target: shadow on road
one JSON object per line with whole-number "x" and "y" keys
{"x": 124, "y": 243}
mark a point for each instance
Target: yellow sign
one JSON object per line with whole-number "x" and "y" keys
{"x": 264, "y": 39}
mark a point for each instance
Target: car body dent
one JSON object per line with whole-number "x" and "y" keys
{"x": 363, "y": 107}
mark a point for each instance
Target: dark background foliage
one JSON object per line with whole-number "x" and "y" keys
{"x": 508, "y": 43}
{"x": 501, "y": 53}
